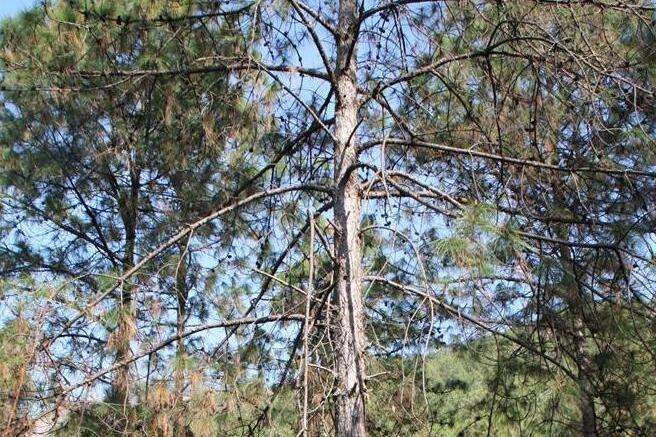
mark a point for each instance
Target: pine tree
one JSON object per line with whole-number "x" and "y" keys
{"x": 471, "y": 173}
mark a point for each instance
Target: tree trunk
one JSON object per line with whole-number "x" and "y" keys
{"x": 182, "y": 294}
{"x": 586, "y": 402}
{"x": 349, "y": 334}
{"x": 575, "y": 303}
{"x": 126, "y": 323}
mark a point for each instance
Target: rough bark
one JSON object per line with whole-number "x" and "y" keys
{"x": 348, "y": 299}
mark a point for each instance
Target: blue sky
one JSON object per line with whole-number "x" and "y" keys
{"x": 12, "y": 7}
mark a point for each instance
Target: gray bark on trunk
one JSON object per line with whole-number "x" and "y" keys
{"x": 349, "y": 318}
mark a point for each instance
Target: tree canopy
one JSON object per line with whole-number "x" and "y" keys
{"x": 304, "y": 217}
